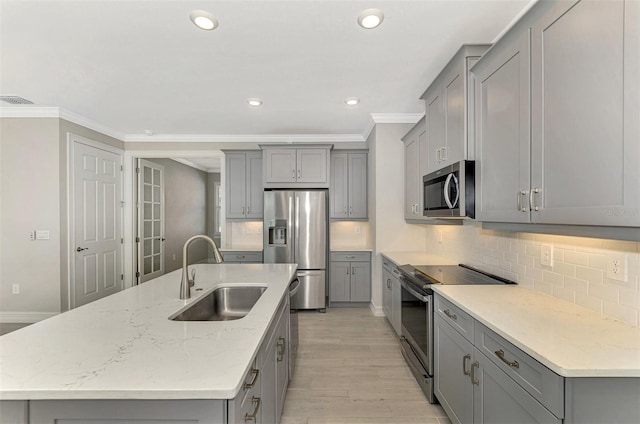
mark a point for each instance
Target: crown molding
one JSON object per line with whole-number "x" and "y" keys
{"x": 396, "y": 118}
{"x": 195, "y": 165}
{"x": 244, "y": 138}
{"x": 57, "y": 112}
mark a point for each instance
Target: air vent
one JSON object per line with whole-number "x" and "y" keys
{"x": 15, "y": 100}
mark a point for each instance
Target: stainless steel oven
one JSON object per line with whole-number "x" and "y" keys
{"x": 416, "y": 337}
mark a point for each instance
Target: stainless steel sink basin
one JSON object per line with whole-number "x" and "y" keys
{"x": 222, "y": 304}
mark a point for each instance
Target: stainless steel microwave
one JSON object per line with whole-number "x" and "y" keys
{"x": 450, "y": 192}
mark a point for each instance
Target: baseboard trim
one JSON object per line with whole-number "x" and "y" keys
{"x": 24, "y": 317}
{"x": 377, "y": 311}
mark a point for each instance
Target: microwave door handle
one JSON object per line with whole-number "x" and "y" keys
{"x": 446, "y": 191}
{"x": 457, "y": 185}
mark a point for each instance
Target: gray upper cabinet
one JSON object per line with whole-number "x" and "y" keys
{"x": 449, "y": 105}
{"x": 348, "y": 191}
{"x": 412, "y": 173}
{"x": 585, "y": 87}
{"x": 502, "y": 134}
{"x": 243, "y": 184}
{"x": 568, "y": 152}
{"x": 301, "y": 166}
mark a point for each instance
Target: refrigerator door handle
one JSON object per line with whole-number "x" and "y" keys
{"x": 297, "y": 230}
{"x": 291, "y": 229}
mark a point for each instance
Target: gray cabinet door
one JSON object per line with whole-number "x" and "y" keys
{"x": 435, "y": 125}
{"x": 502, "y": 132}
{"x": 254, "y": 190}
{"x": 357, "y": 171}
{"x": 280, "y": 166}
{"x": 339, "y": 189}
{"x": 585, "y": 87}
{"x": 499, "y": 399}
{"x": 268, "y": 392}
{"x": 360, "y": 282}
{"x": 396, "y": 304}
{"x": 452, "y": 358}
{"x": 311, "y": 165}
{"x": 454, "y": 103}
{"x": 387, "y": 295}
{"x": 282, "y": 362}
{"x": 236, "y": 183}
{"x": 411, "y": 178}
{"x": 340, "y": 282}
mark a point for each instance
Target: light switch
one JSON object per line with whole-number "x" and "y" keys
{"x": 42, "y": 234}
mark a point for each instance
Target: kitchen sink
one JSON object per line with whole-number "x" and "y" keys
{"x": 222, "y": 304}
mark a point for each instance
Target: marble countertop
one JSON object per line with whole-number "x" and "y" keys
{"x": 417, "y": 258}
{"x": 570, "y": 340}
{"x": 125, "y": 347}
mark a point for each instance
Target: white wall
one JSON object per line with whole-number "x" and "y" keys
{"x": 389, "y": 231}
{"x": 30, "y": 190}
{"x": 578, "y": 274}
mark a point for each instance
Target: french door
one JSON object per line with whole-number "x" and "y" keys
{"x": 150, "y": 220}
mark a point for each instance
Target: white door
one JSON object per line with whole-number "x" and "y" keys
{"x": 150, "y": 238}
{"x": 96, "y": 222}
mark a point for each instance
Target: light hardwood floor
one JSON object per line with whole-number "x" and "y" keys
{"x": 350, "y": 370}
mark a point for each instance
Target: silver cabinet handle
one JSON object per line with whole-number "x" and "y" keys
{"x": 243, "y": 210}
{"x": 450, "y": 315}
{"x": 350, "y": 257}
{"x": 347, "y": 271}
{"x": 298, "y": 173}
{"x": 293, "y": 174}
{"x": 353, "y": 271}
{"x": 247, "y": 210}
{"x": 281, "y": 349}
{"x": 521, "y": 194}
{"x": 532, "y": 200}
{"x": 473, "y": 374}
{"x": 345, "y": 210}
{"x": 443, "y": 154}
{"x": 438, "y": 155}
{"x": 80, "y": 249}
{"x": 388, "y": 283}
{"x": 464, "y": 364}
{"x": 500, "y": 354}
{"x": 350, "y": 210}
{"x": 417, "y": 209}
{"x": 255, "y": 374}
{"x": 252, "y": 417}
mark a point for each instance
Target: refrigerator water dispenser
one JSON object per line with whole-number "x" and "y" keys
{"x": 277, "y": 232}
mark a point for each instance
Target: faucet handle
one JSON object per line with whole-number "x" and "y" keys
{"x": 192, "y": 280}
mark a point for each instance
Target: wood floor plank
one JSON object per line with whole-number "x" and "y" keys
{"x": 349, "y": 370}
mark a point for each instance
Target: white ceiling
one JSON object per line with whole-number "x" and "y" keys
{"x": 136, "y": 65}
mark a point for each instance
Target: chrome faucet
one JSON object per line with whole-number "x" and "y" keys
{"x": 186, "y": 282}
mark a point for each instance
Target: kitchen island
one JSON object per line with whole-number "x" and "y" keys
{"x": 122, "y": 358}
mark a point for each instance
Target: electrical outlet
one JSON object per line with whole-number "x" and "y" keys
{"x": 15, "y": 289}
{"x": 546, "y": 254}
{"x": 358, "y": 229}
{"x": 617, "y": 266}
{"x": 174, "y": 257}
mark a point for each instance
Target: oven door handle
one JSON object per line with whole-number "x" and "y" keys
{"x": 413, "y": 292}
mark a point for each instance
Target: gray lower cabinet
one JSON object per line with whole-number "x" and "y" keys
{"x": 243, "y": 184}
{"x": 260, "y": 399}
{"x": 242, "y": 257}
{"x": 348, "y": 189}
{"x": 482, "y": 378}
{"x": 391, "y": 294}
{"x": 350, "y": 277}
{"x": 557, "y": 125}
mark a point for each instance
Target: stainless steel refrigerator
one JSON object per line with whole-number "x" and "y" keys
{"x": 296, "y": 230}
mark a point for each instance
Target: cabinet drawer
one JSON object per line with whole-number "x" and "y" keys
{"x": 455, "y": 316}
{"x": 237, "y": 257}
{"x": 350, "y": 256}
{"x": 543, "y": 384}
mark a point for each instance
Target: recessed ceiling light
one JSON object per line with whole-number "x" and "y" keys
{"x": 254, "y": 102}
{"x": 352, "y": 101}
{"x": 203, "y": 20}
{"x": 370, "y": 18}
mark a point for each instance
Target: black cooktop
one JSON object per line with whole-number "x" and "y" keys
{"x": 450, "y": 275}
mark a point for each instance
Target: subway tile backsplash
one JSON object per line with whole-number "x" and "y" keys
{"x": 578, "y": 273}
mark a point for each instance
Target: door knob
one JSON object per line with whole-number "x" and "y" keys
{"x": 80, "y": 249}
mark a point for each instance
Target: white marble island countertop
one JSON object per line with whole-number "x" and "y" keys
{"x": 570, "y": 340}
{"x": 125, "y": 347}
